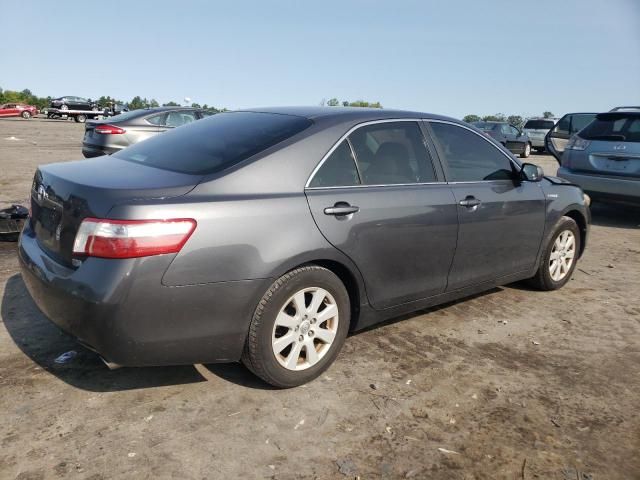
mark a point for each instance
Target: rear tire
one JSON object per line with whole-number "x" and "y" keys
{"x": 307, "y": 305}
{"x": 80, "y": 118}
{"x": 26, "y": 115}
{"x": 526, "y": 152}
{"x": 554, "y": 270}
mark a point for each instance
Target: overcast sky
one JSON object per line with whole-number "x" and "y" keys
{"x": 453, "y": 58}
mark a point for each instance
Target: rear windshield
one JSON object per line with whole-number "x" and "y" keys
{"x": 484, "y": 125}
{"x": 214, "y": 143}
{"x": 540, "y": 124}
{"x": 616, "y": 127}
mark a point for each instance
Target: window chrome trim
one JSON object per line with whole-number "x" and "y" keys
{"x": 343, "y": 137}
{"x": 377, "y": 185}
{"x": 489, "y": 140}
{"x": 393, "y": 120}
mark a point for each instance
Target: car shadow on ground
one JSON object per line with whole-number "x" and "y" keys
{"x": 43, "y": 342}
{"x": 615, "y": 215}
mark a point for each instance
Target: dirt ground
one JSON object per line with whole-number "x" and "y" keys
{"x": 513, "y": 383}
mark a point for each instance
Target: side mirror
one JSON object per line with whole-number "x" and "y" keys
{"x": 531, "y": 172}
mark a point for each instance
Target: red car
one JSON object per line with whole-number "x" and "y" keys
{"x": 17, "y": 110}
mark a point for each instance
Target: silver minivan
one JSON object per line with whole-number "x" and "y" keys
{"x": 537, "y": 129}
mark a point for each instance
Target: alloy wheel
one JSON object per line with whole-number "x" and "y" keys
{"x": 562, "y": 255}
{"x": 305, "y": 328}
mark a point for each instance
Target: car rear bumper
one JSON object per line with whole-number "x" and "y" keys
{"x": 90, "y": 151}
{"x": 120, "y": 309}
{"x": 598, "y": 186}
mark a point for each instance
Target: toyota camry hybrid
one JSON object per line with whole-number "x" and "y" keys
{"x": 265, "y": 236}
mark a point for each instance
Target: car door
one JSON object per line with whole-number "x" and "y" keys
{"x": 377, "y": 198}
{"x": 9, "y": 110}
{"x": 501, "y": 219}
{"x": 556, "y": 140}
{"x": 510, "y": 140}
{"x": 519, "y": 139}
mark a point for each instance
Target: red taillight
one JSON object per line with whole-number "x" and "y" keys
{"x": 131, "y": 238}
{"x": 109, "y": 129}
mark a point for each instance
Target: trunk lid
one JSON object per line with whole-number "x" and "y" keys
{"x": 63, "y": 194}
{"x": 608, "y": 157}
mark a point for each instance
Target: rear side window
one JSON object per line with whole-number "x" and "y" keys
{"x": 539, "y": 124}
{"x": 158, "y": 119}
{"x": 177, "y": 119}
{"x": 214, "y": 143}
{"x": 392, "y": 153}
{"x": 338, "y": 170}
{"x": 616, "y": 127}
{"x": 468, "y": 156}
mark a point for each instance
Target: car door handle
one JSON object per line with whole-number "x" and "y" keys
{"x": 340, "y": 209}
{"x": 470, "y": 202}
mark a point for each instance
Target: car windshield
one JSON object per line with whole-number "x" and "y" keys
{"x": 540, "y": 124}
{"x": 214, "y": 143}
{"x": 484, "y": 125}
{"x": 616, "y": 127}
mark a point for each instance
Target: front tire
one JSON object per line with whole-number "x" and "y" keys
{"x": 298, "y": 327}
{"x": 559, "y": 257}
{"x": 527, "y": 151}
{"x": 64, "y": 107}
{"x": 26, "y": 115}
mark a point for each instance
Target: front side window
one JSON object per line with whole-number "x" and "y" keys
{"x": 338, "y": 170}
{"x": 391, "y": 153}
{"x": 214, "y": 143}
{"x": 469, "y": 157}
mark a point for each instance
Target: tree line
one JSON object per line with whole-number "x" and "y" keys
{"x": 515, "y": 120}
{"x": 334, "y": 102}
{"x": 137, "y": 102}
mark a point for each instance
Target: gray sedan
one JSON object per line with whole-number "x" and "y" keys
{"x": 267, "y": 235}
{"x": 104, "y": 137}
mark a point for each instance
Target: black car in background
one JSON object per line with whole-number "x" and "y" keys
{"x": 508, "y": 135}
{"x": 74, "y": 103}
{"x": 104, "y": 137}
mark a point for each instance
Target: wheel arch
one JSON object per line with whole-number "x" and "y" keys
{"x": 350, "y": 278}
{"x": 580, "y": 219}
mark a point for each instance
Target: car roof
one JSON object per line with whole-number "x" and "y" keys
{"x": 163, "y": 109}
{"x": 346, "y": 113}
{"x": 625, "y": 109}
